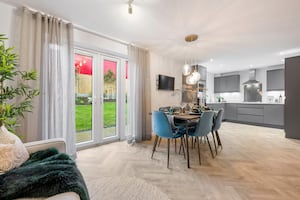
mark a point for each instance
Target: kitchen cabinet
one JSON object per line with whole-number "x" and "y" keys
{"x": 230, "y": 113}
{"x": 275, "y": 80}
{"x": 217, "y": 85}
{"x": 273, "y": 114}
{"x": 292, "y": 94}
{"x": 227, "y": 84}
{"x": 250, "y": 113}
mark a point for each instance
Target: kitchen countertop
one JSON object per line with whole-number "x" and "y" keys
{"x": 248, "y": 103}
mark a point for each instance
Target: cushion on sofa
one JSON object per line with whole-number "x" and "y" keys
{"x": 13, "y": 152}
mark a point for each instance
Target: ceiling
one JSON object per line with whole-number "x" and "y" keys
{"x": 233, "y": 34}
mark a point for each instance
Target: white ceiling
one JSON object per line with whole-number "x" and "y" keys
{"x": 236, "y": 34}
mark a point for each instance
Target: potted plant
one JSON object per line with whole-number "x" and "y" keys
{"x": 15, "y": 93}
{"x": 219, "y": 98}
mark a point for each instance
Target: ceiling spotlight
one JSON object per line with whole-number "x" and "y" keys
{"x": 130, "y": 6}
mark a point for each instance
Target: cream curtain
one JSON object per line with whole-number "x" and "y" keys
{"x": 47, "y": 46}
{"x": 140, "y": 96}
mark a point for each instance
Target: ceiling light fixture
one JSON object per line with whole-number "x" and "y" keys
{"x": 192, "y": 77}
{"x": 130, "y": 7}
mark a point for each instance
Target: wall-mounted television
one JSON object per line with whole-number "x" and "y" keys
{"x": 165, "y": 82}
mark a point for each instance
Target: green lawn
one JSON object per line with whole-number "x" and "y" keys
{"x": 84, "y": 116}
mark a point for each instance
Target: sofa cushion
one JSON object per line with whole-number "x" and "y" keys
{"x": 13, "y": 152}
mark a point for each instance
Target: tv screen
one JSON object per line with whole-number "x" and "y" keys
{"x": 165, "y": 82}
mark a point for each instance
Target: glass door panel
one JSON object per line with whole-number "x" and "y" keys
{"x": 83, "y": 97}
{"x": 109, "y": 97}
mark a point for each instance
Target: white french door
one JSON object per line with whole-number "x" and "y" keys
{"x": 100, "y": 97}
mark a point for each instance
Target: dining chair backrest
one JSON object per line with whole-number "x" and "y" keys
{"x": 161, "y": 125}
{"x": 205, "y": 123}
{"x": 171, "y": 121}
{"x": 165, "y": 109}
{"x": 218, "y": 120}
{"x": 177, "y": 109}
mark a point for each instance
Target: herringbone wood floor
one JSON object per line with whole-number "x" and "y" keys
{"x": 255, "y": 163}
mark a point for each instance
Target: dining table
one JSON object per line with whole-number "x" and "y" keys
{"x": 187, "y": 118}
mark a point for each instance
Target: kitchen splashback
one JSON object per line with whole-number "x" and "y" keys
{"x": 253, "y": 92}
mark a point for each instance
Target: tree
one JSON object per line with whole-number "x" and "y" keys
{"x": 109, "y": 77}
{"x": 15, "y": 98}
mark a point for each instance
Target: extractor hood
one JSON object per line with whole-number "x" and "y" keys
{"x": 252, "y": 76}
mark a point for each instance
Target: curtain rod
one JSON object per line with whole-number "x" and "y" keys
{"x": 81, "y": 28}
{"x": 78, "y": 27}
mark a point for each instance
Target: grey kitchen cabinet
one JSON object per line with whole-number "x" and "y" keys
{"x": 250, "y": 118}
{"x": 223, "y": 84}
{"x": 275, "y": 80}
{"x": 230, "y": 113}
{"x": 274, "y": 114}
{"x": 217, "y": 85}
{"x": 292, "y": 94}
{"x": 271, "y": 115}
{"x": 250, "y": 113}
{"x": 227, "y": 84}
{"x": 232, "y": 83}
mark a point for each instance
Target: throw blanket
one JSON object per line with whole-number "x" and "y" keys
{"x": 45, "y": 173}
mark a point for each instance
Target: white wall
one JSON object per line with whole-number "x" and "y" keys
{"x": 92, "y": 41}
{"x": 165, "y": 66}
{"x": 6, "y": 19}
{"x": 261, "y": 76}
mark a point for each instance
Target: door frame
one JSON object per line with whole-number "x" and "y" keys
{"x": 97, "y": 98}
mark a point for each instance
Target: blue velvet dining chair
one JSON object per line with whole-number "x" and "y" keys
{"x": 216, "y": 126}
{"x": 163, "y": 129}
{"x": 203, "y": 128}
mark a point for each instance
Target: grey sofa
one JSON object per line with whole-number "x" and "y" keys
{"x": 61, "y": 146}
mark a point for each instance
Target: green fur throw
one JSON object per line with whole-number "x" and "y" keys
{"x": 44, "y": 174}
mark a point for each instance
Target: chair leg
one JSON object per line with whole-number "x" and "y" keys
{"x": 182, "y": 145}
{"x": 214, "y": 142}
{"x": 199, "y": 150}
{"x": 184, "y": 142}
{"x": 175, "y": 145}
{"x": 159, "y": 142}
{"x": 168, "y": 152}
{"x": 179, "y": 148}
{"x": 212, "y": 154}
{"x": 154, "y": 145}
{"x": 218, "y": 139}
{"x": 192, "y": 143}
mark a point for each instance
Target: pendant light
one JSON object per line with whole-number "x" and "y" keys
{"x": 194, "y": 77}
{"x": 189, "y": 80}
{"x": 186, "y": 69}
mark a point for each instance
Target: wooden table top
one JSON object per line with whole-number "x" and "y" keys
{"x": 186, "y": 116}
